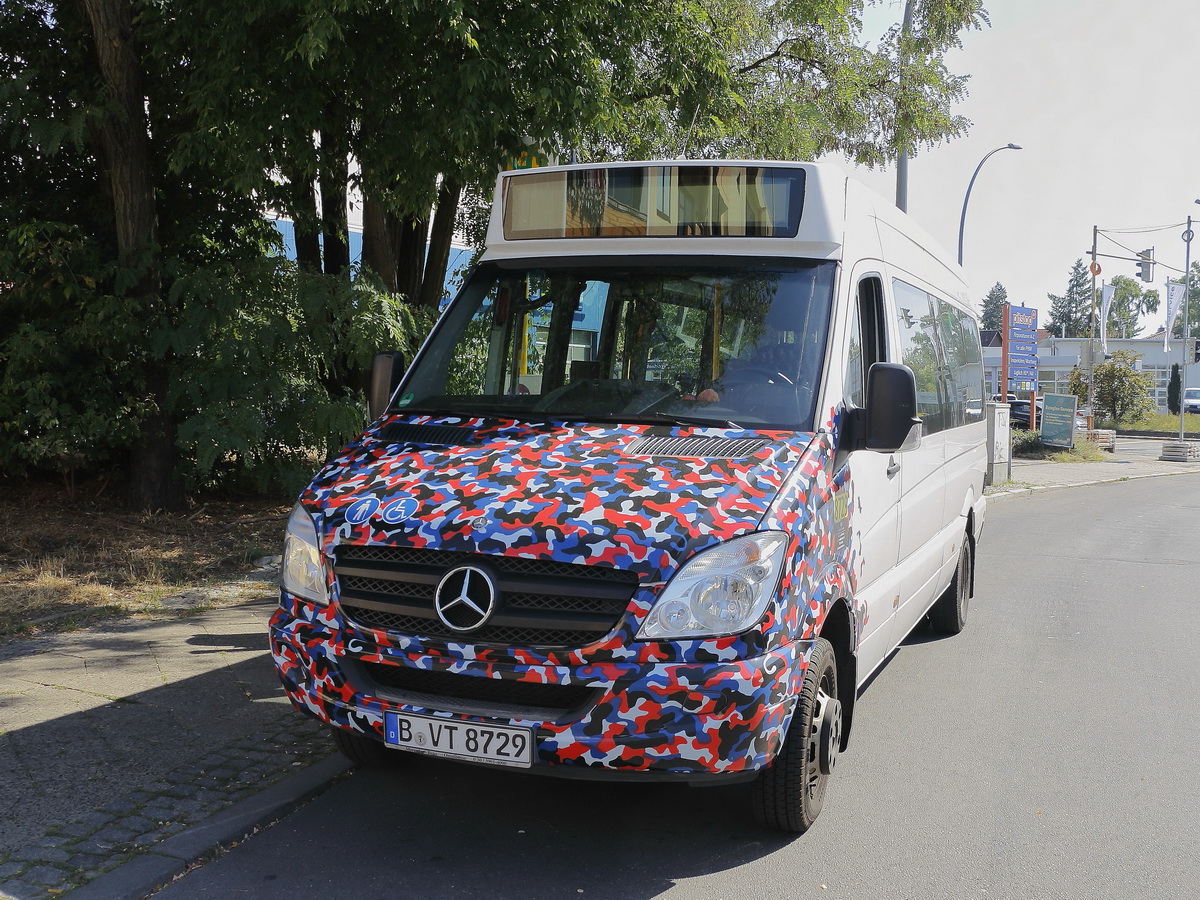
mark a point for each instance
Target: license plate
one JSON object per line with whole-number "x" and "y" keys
{"x": 504, "y": 745}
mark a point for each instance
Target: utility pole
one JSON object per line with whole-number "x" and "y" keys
{"x": 1094, "y": 268}
{"x": 1187, "y": 327}
{"x": 902, "y": 159}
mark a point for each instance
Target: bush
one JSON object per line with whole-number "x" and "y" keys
{"x": 1027, "y": 443}
{"x": 266, "y": 365}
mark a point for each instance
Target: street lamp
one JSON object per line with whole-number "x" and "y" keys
{"x": 963, "y": 221}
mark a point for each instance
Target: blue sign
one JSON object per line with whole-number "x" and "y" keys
{"x": 1023, "y": 347}
{"x": 1021, "y": 373}
{"x": 1022, "y": 335}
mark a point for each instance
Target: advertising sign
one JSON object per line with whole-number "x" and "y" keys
{"x": 1058, "y": 420}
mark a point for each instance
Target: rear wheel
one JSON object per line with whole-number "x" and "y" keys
{"x": 789, "y": 793}
{"x": 949, "y": 613}
{"x": 363, "y": 750}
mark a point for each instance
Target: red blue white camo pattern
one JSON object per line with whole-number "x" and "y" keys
{"x": 572, "y": 493}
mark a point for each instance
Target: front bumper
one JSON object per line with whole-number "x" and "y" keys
{"x": 686, "y": 721}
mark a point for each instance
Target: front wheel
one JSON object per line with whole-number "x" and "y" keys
{"x": 788, "y": 795}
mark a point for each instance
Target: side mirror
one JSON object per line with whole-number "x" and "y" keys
{"x": 385, "y": 378}
{"x": 891, "y": 413}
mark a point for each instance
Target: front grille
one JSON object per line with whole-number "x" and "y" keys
{"x": 697, "y": 447}
{"x": 434, "y": 688}
{"x": 541, "y": 603}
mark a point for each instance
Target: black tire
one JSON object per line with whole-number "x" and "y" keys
{"x": 949, "y": 613}
{"x": 789, "y": 793}
{"x": 362, "y": 750}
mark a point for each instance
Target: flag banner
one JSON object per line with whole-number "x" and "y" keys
{"x": 1175, "y": 294}
{"x": 1107, "y": 293}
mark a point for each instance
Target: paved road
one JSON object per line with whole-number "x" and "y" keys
{"x": 1047, "y": 752}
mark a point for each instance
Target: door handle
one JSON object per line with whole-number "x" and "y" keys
{"x": 893, "y": 466}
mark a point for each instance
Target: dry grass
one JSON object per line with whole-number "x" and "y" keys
{"x": 1084, "y": 451}
{"x": 66, "y": 561}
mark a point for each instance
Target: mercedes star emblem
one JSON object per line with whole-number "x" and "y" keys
{"x": 465, "y": 598}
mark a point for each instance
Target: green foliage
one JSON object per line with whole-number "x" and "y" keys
{"x": 1122, "y": 394}
{"x": 67, "y": 393}
{"x": 793, "y": 80}
{"x": 992, "y": 317}
{"x": 272, "y": 363}
{"x": 1174, "y": 390}
{"x": 266, "y": 363}
{"x": 1027, "y": 443}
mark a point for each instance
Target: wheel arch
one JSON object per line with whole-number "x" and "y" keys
{"x": 838, "y": 630}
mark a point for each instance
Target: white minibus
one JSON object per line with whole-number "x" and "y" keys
{"x": 694, "y": 448}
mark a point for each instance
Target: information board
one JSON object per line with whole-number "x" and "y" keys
{"x": 1058, "y": 420}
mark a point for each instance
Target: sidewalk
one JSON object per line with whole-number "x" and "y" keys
{"x": 132, "y": 750}
{"x": 1134, "y": 457}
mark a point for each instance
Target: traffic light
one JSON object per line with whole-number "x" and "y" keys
{"x": 1146, "y": 265}
{"x": 1196, "y": 352}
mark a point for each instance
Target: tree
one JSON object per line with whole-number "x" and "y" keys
{"x": 1174, "y": 390}
{"x": 150, "y": 320}
{"x": 1122, "y": 393}
{"x": 993, "y": 308}
{"x": 1070, "y": 314}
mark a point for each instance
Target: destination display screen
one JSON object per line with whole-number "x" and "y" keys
{"x": 654, "y": 201}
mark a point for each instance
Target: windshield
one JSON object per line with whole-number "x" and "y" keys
{"x": 695, "y": 343}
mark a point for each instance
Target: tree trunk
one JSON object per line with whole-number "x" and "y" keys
{"x": 303, "y": 210}
{"x": 124, "y": 151}
{"x": 440, "y": 237}
{"x": 379, "y": 253}
{"x": 410, "y": 256}
{"x": 335, "y": 173}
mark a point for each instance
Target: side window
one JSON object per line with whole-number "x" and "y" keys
{"x": 867, "y": 344}
{"x": 969, "y": 365}
{"x": 920, "y": 350}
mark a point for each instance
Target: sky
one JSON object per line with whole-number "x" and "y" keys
{"x": 1102, "y": 97}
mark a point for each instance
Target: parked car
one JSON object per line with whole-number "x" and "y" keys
{"x": 1191, "y": 400}
{"x": 1018, "y": 413}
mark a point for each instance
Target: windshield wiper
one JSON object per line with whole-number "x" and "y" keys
{"x": 654, "y": 418}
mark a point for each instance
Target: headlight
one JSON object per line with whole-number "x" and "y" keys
{"x": 303, "y": 573}
{"x": 723, "y": 590}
